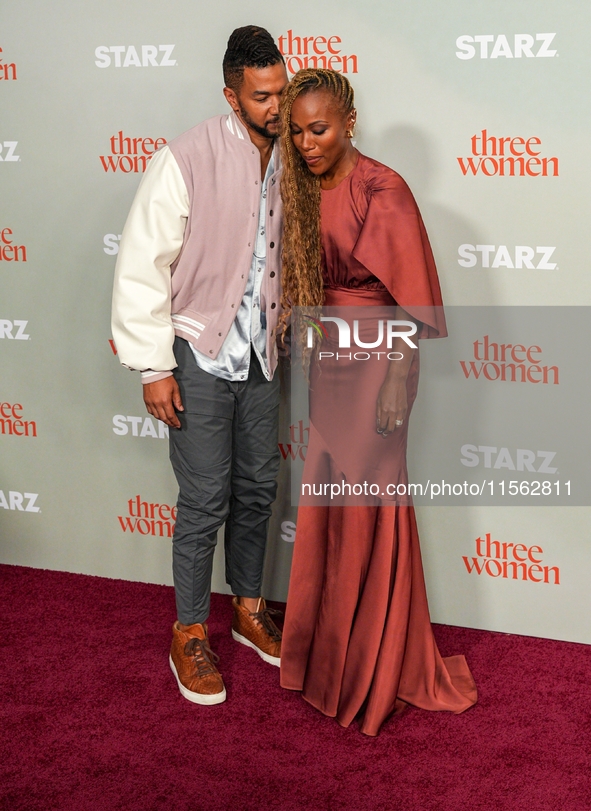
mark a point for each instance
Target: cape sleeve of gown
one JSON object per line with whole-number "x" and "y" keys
{"x": 394, "y": 246}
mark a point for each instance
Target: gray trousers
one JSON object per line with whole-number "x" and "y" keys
{"x": 225, "y": 459}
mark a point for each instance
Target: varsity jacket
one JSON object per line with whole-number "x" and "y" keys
{"x": 187, "y": 246}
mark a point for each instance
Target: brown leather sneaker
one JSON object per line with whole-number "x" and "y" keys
{"x": 264, "y": 638}
{"x": 193, "y": 663}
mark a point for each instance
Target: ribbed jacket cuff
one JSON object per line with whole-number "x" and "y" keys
{"x": 152, "y": 377}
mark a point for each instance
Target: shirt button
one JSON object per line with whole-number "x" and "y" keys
{"x": 256, "y": 183}
{"x": 271, "y": 245}
{"x": 211, "y": 351}
{"x": 242, "y": 277}
{"x": 249, "y": 244}
{"x": 232, "y": 305}
{"x": 270, "y": 213}
{"x": 272, "y": 273}
{"x": 273, "y": 306}
{"x": 253, "y": 213}
{"x": 219, "y": 333}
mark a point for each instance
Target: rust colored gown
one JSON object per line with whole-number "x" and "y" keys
{"x": 357, "y": 637}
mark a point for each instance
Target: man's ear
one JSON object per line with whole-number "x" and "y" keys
{"x": 232, "y": 99}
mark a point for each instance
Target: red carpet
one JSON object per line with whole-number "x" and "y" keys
{"x": 91, "y": 719}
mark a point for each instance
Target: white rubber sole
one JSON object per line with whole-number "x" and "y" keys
{"x": 272, "y": 660}
{"x": 197, "y": 698}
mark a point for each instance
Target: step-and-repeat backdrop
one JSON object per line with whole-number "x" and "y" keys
{"x": 481, "y": 106}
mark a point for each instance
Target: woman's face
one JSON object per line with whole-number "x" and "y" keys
{"x": 319, "y": 131}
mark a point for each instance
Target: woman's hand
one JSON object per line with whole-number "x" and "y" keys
{"x": 391, "y": 406}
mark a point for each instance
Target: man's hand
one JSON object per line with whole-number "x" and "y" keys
{"x": 162, "y": 398}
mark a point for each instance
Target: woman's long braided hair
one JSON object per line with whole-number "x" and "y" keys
{"x": 300, "y": 190}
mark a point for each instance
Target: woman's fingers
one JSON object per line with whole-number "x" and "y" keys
{"x": 391, "y": 407}
{"x": 388, "y": 421}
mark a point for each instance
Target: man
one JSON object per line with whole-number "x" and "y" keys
{"x": 195, "y": 304}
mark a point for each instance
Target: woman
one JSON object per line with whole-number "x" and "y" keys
{"x": 357, "y": 637}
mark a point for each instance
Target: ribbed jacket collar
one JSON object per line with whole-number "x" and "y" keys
{"x": 239, "y": 131}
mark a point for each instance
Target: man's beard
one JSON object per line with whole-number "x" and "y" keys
{"x": 260, "y": 130}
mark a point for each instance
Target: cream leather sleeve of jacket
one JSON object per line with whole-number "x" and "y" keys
{"x": 151, "y": 241}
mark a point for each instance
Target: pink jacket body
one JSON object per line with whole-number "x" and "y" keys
{"x": 187, "y": 247}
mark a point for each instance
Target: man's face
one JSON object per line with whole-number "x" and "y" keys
{"x": 257, "y": 101}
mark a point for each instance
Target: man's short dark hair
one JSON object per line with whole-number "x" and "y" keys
{"x": 248, "y": 47}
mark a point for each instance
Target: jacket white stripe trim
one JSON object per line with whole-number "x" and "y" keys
{"x": 190, "y": 331}
{"x": 188, "y": 320}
